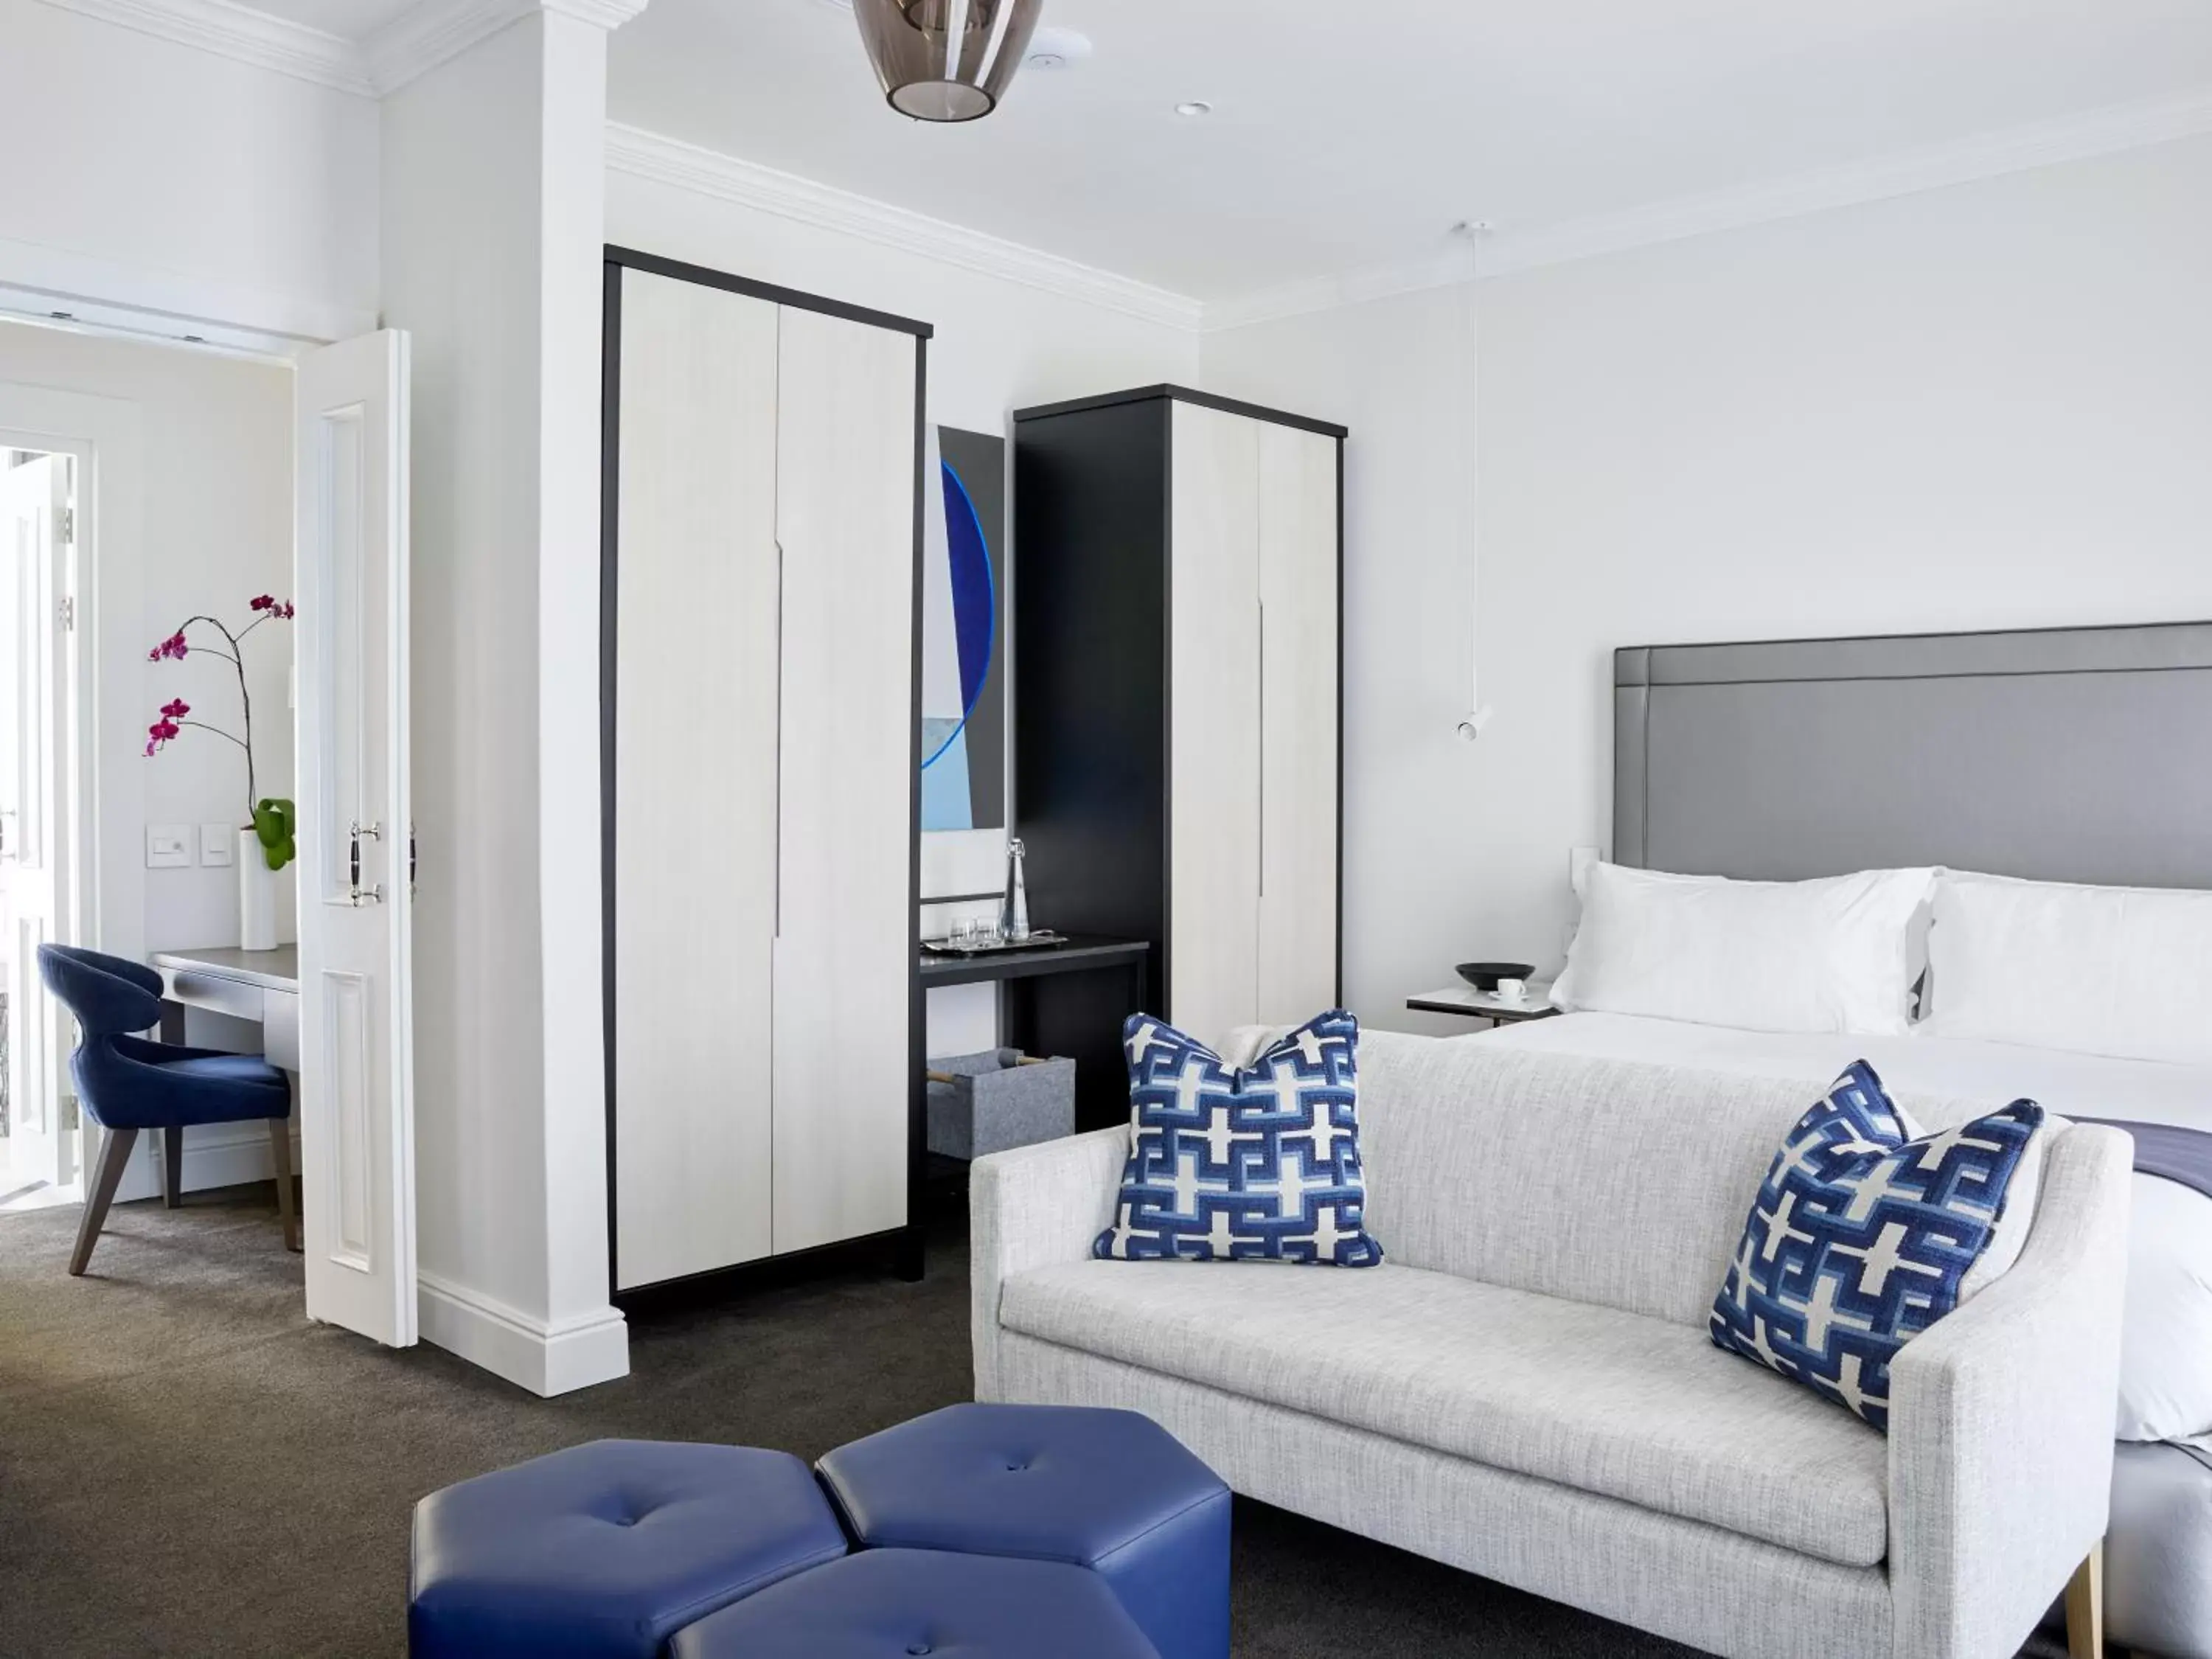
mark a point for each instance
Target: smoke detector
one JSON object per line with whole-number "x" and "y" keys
{"x": 1058, "y": 49}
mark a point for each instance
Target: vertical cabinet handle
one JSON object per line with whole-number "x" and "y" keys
{"x": 1263, "y": 748}
{"x": 778, "y": 933}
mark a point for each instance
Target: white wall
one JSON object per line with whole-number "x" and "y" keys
{"x": 216, "y": 459}
{"x": 1980, "y": 407}
{"x": 143, "y": 170}
{"x": 494, "y": 167}
{"x": 1000, "y": 345}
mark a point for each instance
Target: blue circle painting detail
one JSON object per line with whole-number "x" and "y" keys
{"x": 974, "y": 606}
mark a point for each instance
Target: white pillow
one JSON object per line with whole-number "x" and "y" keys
{"x": 2125, "y": 971}
{"x": 1833, "y": 955}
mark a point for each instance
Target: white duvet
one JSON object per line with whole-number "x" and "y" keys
{"x": 2166, "y": 1358}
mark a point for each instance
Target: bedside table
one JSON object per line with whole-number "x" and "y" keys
{"x": 1483, "y": 1004}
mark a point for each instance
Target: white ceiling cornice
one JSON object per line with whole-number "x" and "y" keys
{"x": 241, "y": 33}
{"x": 428, "y": 34}
{"x": 687, "y": 166}
{"x": 418, "y": 39}
{"x": 2100, "y": 132}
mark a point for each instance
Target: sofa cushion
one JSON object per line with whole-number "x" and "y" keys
{"x": 1641, "y": 1409}
{"x": 1862, "y": 1235}
{"x": 1257, "y": 1162}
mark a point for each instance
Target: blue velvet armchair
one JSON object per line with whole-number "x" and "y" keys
{"x": 126, "y": 1084}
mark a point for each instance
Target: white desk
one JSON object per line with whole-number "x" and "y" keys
{"x": 262, "y": 987}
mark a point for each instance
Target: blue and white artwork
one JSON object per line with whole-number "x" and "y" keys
{"x": 964, "y": 713}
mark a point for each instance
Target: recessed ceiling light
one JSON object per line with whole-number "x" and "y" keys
{"x": 1194, "y": 109}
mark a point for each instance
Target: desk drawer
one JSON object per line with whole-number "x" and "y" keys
{"x": 194, "y": 989}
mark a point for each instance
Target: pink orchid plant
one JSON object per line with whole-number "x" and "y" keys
{"x": 272, "y": 818}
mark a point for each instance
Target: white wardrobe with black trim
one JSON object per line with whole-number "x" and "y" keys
{"x": 760, "y": 694}
{"x": 1177, "y": 653}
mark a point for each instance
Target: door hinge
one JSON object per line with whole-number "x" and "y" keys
{"x": 67, "y": 612}
{"x": 68, "y": 525}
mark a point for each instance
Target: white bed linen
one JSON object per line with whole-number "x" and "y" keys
{"x": 2165, "y": 1359}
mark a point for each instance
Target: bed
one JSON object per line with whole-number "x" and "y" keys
{"x": 2072, "y": 755}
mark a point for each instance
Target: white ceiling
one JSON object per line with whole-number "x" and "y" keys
{"x": 1353, "y": 133}
{"x": 1350, "y": 134}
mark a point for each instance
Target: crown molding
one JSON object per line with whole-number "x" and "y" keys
{"x": 432, "y": 32}
{"x": 239, "y": 32}
{"x": 1352, "y": 288}
{"x": 687, "y": 166}
{"x": 2018, "y": 149}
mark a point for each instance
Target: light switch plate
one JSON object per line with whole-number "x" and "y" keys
{"x": 169, "y": 846}
{"x": 218, "y": 844}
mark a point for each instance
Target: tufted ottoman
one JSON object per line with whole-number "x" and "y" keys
{"x": 606, "y": 1550}
{"x": 1107, "y": 1490}
{"x": 883, "y": 1603}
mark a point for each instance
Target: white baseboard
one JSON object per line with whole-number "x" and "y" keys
{"x": 546, "y": 1358}
{"x": 238, "y": 1154}
{"x": 216, "y": 1155}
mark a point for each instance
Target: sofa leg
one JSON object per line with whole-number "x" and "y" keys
{"x": 2085, "y": 1607}
{"x": 113, "y": 1157}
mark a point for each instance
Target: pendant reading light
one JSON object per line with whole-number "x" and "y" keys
{"x": 946, "y": 60}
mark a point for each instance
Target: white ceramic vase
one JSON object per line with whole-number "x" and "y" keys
{"x": 257, "y": 896}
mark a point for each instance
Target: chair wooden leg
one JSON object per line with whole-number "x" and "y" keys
{"x": 113, "y": 1157}
{"x": 2085, "y": 1607}
{"x": 280, "y": 1155}
{"x": 173, "y": 1166}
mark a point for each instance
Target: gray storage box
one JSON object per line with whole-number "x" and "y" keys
{"x": 988, "y": 1102}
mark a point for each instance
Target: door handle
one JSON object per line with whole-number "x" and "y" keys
{"x": 356, "y": 895}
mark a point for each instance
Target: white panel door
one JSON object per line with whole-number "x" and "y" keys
{"x": 35, "y": 830}
{"x": 356, "y": 988}
{"x": 1298, "y": 709}
{"x": 1213, "y": 769}
{"x": 845, "y": 946}
{"x": 696, "y": 690}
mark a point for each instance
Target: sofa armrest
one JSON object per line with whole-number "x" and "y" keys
{"x": 1031, "y": 1207}
{"x": 2001, "y": 1421}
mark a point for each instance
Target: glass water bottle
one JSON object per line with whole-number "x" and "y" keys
{"x": 1014, "y": 908}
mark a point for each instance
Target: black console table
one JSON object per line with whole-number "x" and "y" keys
{"x": 1064, "y": 1000}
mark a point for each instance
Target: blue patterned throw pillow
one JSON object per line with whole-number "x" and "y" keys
{"x": 1862, "y": 1235}
{"x": 1260, "y": 1163}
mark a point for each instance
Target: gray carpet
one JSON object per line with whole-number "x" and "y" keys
{"x": 187, "y": 1467}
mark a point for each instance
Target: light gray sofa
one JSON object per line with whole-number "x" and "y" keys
{"x": 1525, "y": 1389}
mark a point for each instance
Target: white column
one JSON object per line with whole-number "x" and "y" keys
{"x": 492, "y": 235}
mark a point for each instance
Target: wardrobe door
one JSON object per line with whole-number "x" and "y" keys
{"x": 694, "y": 742}
{"x": 1298, "y": 723}
{"x": 845, "y": 939}
{"x": 1213, "y": 721}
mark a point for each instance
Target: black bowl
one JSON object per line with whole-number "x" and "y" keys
{"x": 1485, "y": 975}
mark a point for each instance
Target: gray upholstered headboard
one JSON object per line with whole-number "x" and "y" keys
{"x": 2067, "y": 755}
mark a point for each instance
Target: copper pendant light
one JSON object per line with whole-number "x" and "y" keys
{"x": 946, "y": 60}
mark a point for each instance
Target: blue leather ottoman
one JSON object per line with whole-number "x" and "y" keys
{"x": 606, "y": 1550}
{"x": 883, "y": 1603}
{"x": 1107, "y": 1490}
